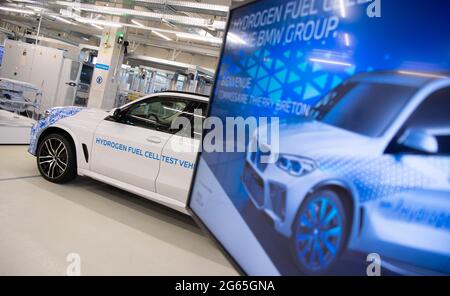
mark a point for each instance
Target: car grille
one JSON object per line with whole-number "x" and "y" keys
{"x": 278, "y": 199}
{"x": 254, "y": 184}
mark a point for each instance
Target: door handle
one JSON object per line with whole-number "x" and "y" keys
{"x": 153, "y": 139}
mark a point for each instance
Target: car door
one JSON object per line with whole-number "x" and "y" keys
{"x": 179, "y": 156}
{"x": 416, "y": 214}
{"x": 128, "y": 148}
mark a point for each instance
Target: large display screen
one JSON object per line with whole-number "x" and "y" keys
{"x": 353, "y": 98}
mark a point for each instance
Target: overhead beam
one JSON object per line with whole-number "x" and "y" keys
{"x": 56, "y": 40}
{"x": 189, "y": 6}
{"x": 197, "y": 49}
{"x": 172, "y": 64}
{"x": 50, "y": 24}
{"x": 178, "y": 19}
{"x": 155, "y": 42}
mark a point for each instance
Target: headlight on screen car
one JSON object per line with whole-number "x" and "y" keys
{"x": 295, "y": 165}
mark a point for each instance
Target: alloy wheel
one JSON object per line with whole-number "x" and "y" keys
{"x": 53, "y": 158}
{"x": 319, "y": 234}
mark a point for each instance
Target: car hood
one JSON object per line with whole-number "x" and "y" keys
{"x": 76, "y": 113}
{"x": 93, "y": 114}
{"x": 311, "y": 137}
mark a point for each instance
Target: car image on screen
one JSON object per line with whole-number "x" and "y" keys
{"x": 370, "y": 173}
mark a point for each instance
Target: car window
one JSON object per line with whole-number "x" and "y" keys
{"x": 200, "y": 114}
{"x": 156, "y": 113}
{"x": 366, "y": 108}
{"x": 433, "y": 117}
{"x": 195, "y": 113}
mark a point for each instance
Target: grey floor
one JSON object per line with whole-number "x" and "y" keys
{"x": 112, "y": 231}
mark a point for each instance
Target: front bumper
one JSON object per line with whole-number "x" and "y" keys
{"x": 34, "y": 136}
{"x": 277, "y": 194}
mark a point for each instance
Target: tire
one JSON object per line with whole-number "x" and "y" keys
{"x": 320, "y": 233}
{"x": 56, "y": 159}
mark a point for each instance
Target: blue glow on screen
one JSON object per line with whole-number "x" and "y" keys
{"x": 1, "y": 54}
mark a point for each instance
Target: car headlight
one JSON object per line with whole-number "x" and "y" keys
{"x": 295, "y": 165}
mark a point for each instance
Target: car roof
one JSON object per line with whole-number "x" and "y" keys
{"x": 190, "y": 95}
{"x": 187, "y": 95}
{"x": 406, "y": 78}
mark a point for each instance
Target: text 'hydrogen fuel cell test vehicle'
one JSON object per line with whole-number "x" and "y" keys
{"x": 371, "y": 173}
{"x": 133, "y": 147}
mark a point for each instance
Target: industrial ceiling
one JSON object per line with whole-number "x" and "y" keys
{"x": 185, "y": 26}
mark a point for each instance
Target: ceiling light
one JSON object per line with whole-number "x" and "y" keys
{"x": 35, "y": 8}
{"x": 162, "y": 36}
{"x": 9, "y": 9}
{"x": 137, "y": 23}
{"x": 154, "y": 32}
{"x": 99, "y": 22}
{"x": 62, "y": 20}
{"x": 97, "y": 26}
{"x": 199, "y": 38}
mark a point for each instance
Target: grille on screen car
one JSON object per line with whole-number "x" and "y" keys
{"x": 254, "y": 184}
{"x": 257, "y": 158}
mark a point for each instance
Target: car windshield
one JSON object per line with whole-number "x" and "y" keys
{"x": 366, "y": 108}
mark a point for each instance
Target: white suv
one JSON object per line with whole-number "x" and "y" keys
{"x": 371, "y": 174}
{"x": 133, "y": 147}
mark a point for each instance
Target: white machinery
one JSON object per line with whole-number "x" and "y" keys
{"x": 14, "y": 129}
{"x": 19, "y": 97}
{"x": 200, "y": 80}
{"x": 173, "y": 75}
{"x": 56, "y": 72}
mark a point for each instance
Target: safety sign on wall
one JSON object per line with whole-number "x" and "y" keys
{"x": 99, "y": 80}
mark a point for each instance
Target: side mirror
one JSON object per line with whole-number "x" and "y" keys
{"x": 116, "y": 113}
{"x": 419, "y": 140}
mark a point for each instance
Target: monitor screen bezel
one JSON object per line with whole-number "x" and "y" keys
{"x": 191, "y": 211}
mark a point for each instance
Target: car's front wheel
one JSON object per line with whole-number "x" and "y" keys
{"x": 320, "y": 232}
{"x": 56, "y": 159}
